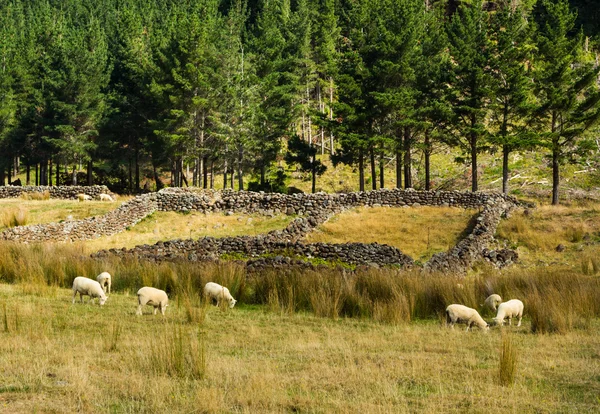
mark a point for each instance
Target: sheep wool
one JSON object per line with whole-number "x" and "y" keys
{"x": 153, "y": 297}
{"x": 462, "y": 314}
{"x": 511, "y": 309}
{"x": 214, "y": 291}
{"x": 88, "y": 287}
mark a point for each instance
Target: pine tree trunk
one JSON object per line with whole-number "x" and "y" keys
{"x": 37, "y": 178}
{"x": 225, "y": 173}
{"x": 314, "y": 176}
{"x": 57, "y": 172}
{"x": 137, "y": 170}
{"x": 331, "y": 150}
{"x": 50, "y": 172}
{"x": 90, "y": 173}
{"x": 205, "y": 172}
{"x": 398, "y": 168}
{"x": 74, "y": 174}
{"x": 240, "y": 173}
{"x": 2, "y": 178}
{"x": 555, "y": 172}
{"x": 505, "y": 152}
{"x": 427, "y": 162}
{"x": 28, "y": 175}
{"x": 361, "y": 171}
{"x": 473, "y": 145}
{"x": 212, "y": 174}
{"x": 232, "y": 174}
{"x": 130, "y": 180}
{"x": 407, "y": 159}
{"x": 373, "y": 168}
{"x": 381, "y": 168}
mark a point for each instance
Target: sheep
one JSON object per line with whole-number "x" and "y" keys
{"x": 492, "y": 302}
{"x": 89, "y": 287}
{"x": 462, "y": 314}
{"x": 83, "y": 197}
{"x": 104, "y": 279}
{"x": 511, "y": 309}
{"x": 106, "y": 197}
{"x": 154, "y": 297}
{"x": 214, "y": 291}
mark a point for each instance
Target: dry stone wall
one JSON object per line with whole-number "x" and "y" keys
{"x": 61, "y": 192}
{"x": 311, "y": 209}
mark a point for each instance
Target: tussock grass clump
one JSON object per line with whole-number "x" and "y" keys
{"x": 10, "y": 324}
{"x": 35, "y": 195}
{"x": 112, "y": 340}
{"x": 178, "y": 352}
{"x": 14, "y": 218}
{"x": 508, "y": 361}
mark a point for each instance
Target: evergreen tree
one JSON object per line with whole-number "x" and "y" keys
{"x": 305, "y": 155}
{"x": 565, "y": 86}
{"x": 511, "y": 83}
{"x": 470, "y": 93}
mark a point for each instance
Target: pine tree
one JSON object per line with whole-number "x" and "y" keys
{"x": 566, "y": 87}
{"x": 470, "y": 93}
{"x": 511, "y": 83}
{"x": 305, "y": 155}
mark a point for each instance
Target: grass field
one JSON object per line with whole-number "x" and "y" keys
{"x": 418, "y": 232}
{"x": 305, "y": 341}
{"x": 58, "y": 357}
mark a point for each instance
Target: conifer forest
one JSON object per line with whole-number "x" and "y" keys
{"x": 223, "y": 92}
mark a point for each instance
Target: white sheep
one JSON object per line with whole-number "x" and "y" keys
{"x": 214, "y": 291}
{"x": 83, "y": 197}
{"x": 106, "y": 197}
{"x": 153, "y": 297}
{"x": 462, "y": 314}
{"x": 89, "y": 287}
{"x": 492, "y": 302}
{"x": 511, "y": 309}
{"x": 105, "y": 280}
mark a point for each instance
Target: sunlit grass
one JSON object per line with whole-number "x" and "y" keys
{"x": 53, "y": 211}
{"x": 418, "y": 231}
{"x": 161, "y": 226}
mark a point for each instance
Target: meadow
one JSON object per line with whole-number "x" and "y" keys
{"x": 320, "y": 341}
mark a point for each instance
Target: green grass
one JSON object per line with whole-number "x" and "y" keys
{"x": 259, "y": 361}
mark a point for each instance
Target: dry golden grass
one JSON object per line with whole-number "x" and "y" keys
{"x": 61, "y": 359}
{"x": 52, "y": 211}
{"x": 419, "y": 232}
{"x": 171, "y": 225}
{"x": 537, "y": 235}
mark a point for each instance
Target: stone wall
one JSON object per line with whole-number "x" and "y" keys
{"x": 62, "y": 192}
{"x": 312, "y": 209}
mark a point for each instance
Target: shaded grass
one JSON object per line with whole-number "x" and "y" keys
{"x": 418, "y": 232}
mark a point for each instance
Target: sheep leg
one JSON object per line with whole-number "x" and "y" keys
{"x": 509, "y": 321}
{"x": 155, "y": 309}
{"x": 74, "y": 294}
{"x": 162, "y": 310}
{"x": 109, "y": 287}
{"x": 139, "y": 309}
{"x": 519, "y": 324}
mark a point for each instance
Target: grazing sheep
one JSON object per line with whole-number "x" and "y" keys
{"x": 462, "y": 314}
{"x": 89, "y": 287}
{"x": 104, "y": 279}
{"x": 511, "y": 309}
{"x": 492, "y": 302}
{"x": 153, "y": 297}
{"x": 214, "y": 291}
{"x": 83, "y": 197}
{"x": 106, "y": 197}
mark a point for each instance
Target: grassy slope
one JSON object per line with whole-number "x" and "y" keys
{"x": 58, "y": 361}
{"x": 419, "y": 232}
